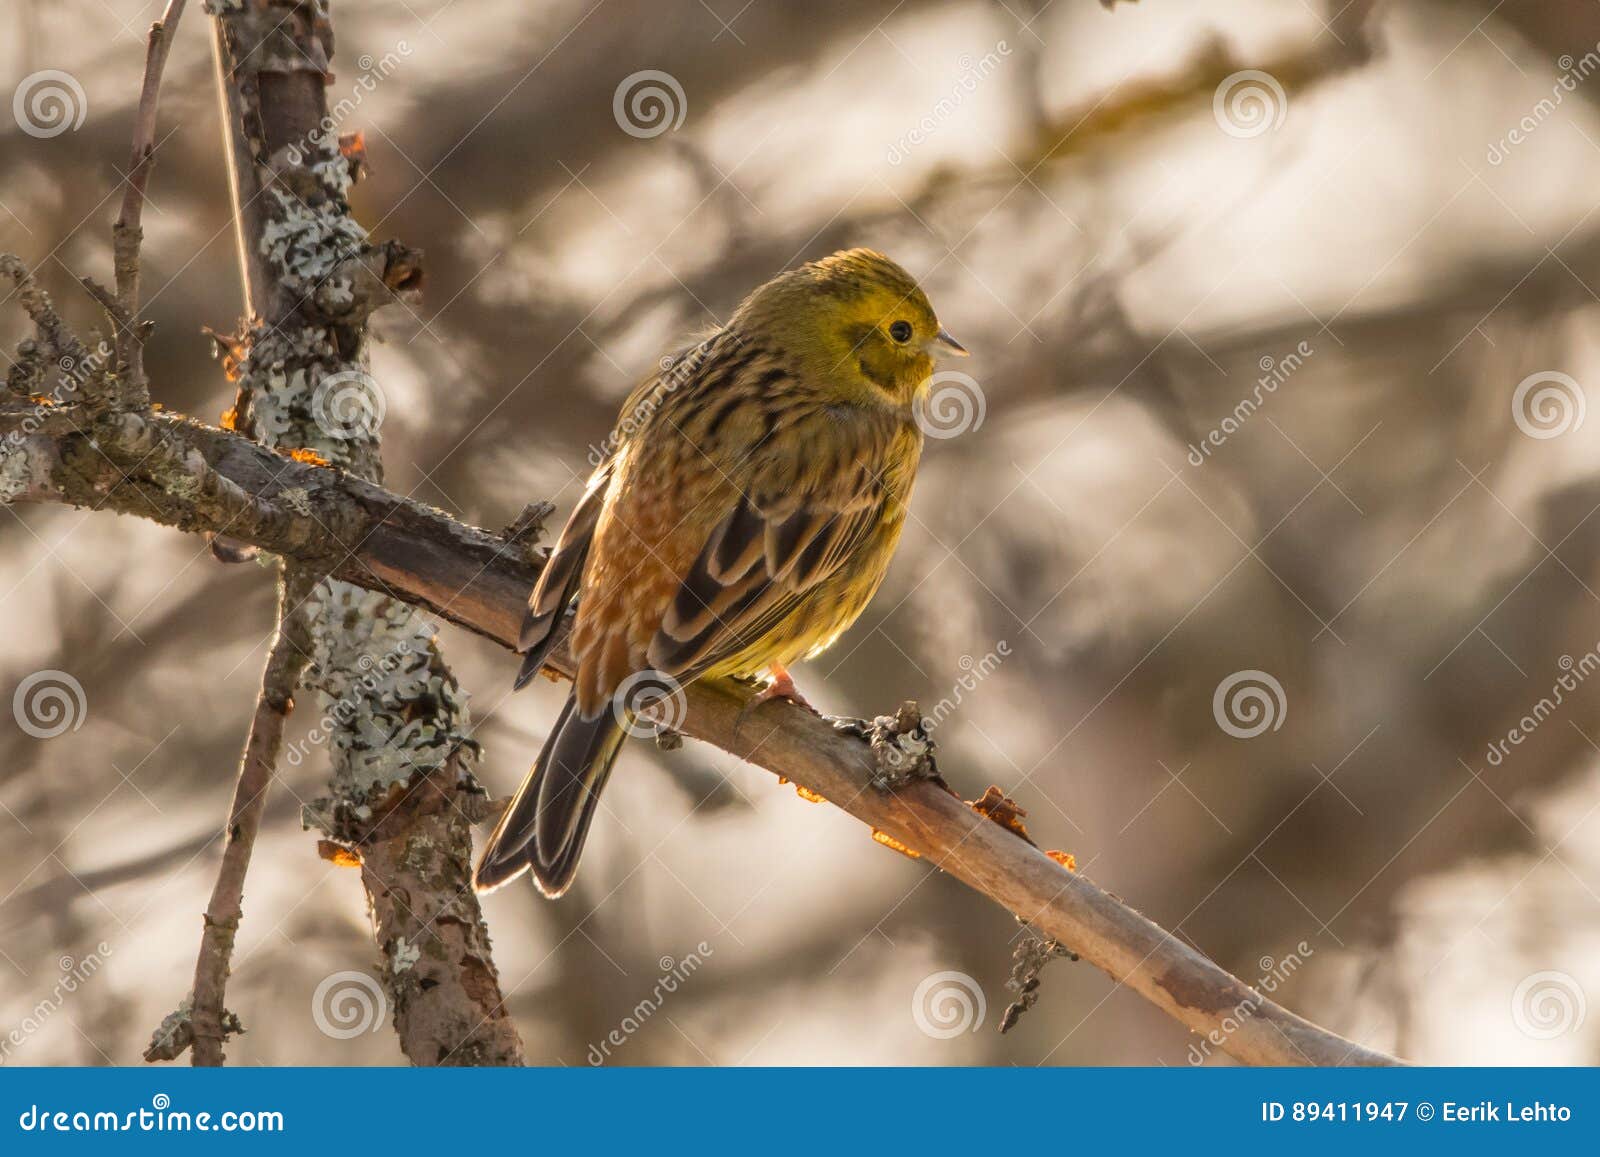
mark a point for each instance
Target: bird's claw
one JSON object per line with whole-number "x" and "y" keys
{"x": 779, "y": 686}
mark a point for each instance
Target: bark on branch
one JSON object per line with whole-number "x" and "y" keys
{"x": 328, "y": 521}
{"x": 402, "y": 795}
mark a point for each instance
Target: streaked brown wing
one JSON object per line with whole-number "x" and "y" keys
{"x": 558, "y": 582}
{"x": 756, "y": 565}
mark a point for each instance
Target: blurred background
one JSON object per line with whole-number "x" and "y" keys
{"x": 1260, "y": 564}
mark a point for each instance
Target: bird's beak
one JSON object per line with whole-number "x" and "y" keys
{"x": 944, "y": 343}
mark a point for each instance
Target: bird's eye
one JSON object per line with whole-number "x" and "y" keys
{"x": 900, "y": 331}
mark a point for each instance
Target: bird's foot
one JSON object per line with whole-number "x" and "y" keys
{"x": 780, "y": 685}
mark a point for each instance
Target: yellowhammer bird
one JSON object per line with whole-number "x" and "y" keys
{"x": 756, "y": 492}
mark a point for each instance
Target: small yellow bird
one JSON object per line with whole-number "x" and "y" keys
{"x": 755, "y": 495}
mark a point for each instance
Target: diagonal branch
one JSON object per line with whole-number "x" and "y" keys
{"x": 334, "y": 524}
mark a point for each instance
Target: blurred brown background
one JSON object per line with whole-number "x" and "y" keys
{"x": 1390, "y": 217}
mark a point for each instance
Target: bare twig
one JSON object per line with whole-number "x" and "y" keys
{"x": 128, "y": 232}
{"x": 59, "y": 342}
{"x": 285, "y": 662}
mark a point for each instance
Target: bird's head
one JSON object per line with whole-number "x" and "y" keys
{"x": 858, "y": 324}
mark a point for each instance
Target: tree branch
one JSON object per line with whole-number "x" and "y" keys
{"x": 285, "y": 661}
{"x": 402, "y": 793}
{"x": 128, "y": 232}
{"x": 333, "y": 523}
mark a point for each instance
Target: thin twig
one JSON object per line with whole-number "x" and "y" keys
{"x": 284, "y": 664}
{"x": 128, "y": 232}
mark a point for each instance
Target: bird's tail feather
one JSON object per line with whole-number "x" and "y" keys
{"x": 533, "y": 659}
{"x": 547, "y": 823}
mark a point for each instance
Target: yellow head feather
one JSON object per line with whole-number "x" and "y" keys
{"x": 857, "y": 323}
